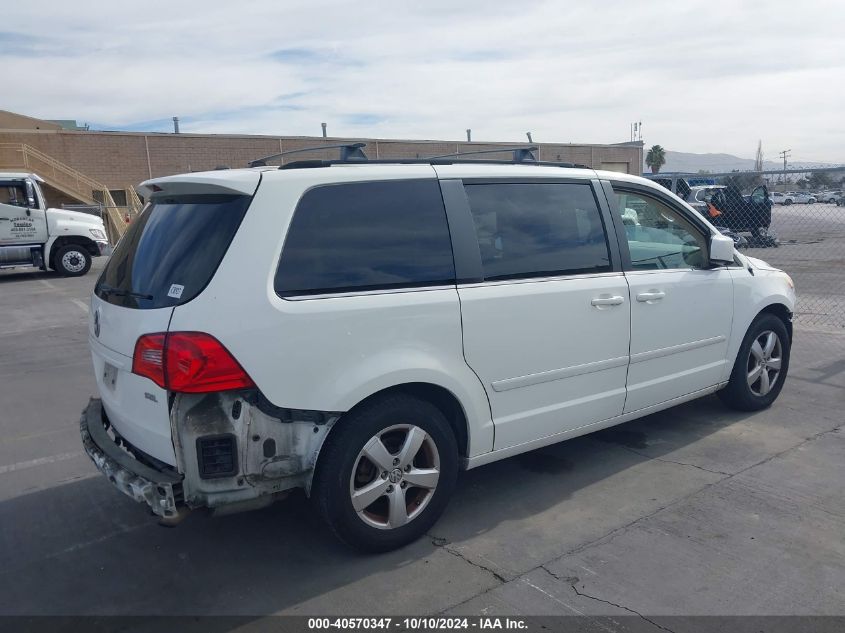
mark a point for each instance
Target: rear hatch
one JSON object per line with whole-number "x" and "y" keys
{"x": 166, "y": 258}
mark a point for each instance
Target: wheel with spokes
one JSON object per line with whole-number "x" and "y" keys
{"x": 760, "y": 367}
{"x": 386, "y": 472}
{"x": 72, "y": 260}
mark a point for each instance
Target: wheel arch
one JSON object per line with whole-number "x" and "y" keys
{"x": 441, "y": 397}
{"x": 445, "y": 401}
{"x": 769, "y": 300}
{"x": 68, "y": 240}
{"x": 782, "y": 312}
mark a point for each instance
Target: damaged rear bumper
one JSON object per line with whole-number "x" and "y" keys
{"x": 234, "y": 452}
{"x": 161, "y": 491}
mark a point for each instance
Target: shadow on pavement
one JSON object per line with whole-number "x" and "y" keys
{"x": 92, "y": 551}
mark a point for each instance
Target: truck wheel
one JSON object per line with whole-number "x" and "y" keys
{"x": 760, "y": 367}
{"x": 72, "y": 261}
{"x": 386, "y": 472}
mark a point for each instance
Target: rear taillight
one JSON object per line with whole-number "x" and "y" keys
{"x": 148, "y": 359}
{"x": 188, "y": 362}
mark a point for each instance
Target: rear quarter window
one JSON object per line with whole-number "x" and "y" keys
{"x": 366, "y": 236}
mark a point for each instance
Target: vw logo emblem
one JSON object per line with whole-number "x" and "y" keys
{"x": 97, "y": 323}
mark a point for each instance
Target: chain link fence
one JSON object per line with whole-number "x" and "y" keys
{"x": 801, "y": 230}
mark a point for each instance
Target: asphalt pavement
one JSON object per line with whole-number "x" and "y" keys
{"x": 695, "y": 510}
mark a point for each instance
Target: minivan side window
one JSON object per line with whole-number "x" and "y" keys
{"x": 538, "y": 229}
{"x": 366, "y": 236}
{"x": 658, "y": 236}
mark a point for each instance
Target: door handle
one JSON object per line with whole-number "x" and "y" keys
{"x": 654, "y": 295}
{"x": 607, "y": 301}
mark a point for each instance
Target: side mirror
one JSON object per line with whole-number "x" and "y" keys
{"x": 31, "y": 203}
{"x": 721, "y": 249}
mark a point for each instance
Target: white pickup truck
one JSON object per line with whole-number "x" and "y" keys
{"x": 33, "y": 235}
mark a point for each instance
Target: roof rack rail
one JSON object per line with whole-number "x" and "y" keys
{"x": 349, "y": 152}
{"x": 306, "y": 164}
{"x": 520, "y": 154}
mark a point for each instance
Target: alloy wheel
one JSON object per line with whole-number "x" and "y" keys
{"x": 765, "y": 359}
{"x": 394, "y": 476}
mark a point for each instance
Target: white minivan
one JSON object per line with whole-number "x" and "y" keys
{"x": 365, "y": 330}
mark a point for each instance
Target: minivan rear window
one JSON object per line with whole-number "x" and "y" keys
{"x": 171, "y": 250}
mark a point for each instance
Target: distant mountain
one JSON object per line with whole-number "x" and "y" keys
{"x": 687, "y": 162}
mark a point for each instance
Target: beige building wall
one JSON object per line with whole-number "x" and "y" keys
{"x": 120, "y": 159}
{"x": 15, "y": 121}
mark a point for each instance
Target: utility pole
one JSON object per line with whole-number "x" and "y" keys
{"x": 784, "y": 154}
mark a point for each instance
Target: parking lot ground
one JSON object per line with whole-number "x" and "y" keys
{"x": 695, "y": 510}
{"x": 812, "y": 251}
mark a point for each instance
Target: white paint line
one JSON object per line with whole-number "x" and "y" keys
{"x": 48, "y": 284}
{"x": 547, "y": 594}
{"x": 38, "y": 462}
{"x": 81, "y": 304}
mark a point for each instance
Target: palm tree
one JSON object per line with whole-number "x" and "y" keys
{"x": 655, "y": 158}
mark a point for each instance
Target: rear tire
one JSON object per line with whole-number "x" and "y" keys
{"x": 364, "y": 484}
{"x": 761, "y": 366}
{"x": 72, "y": 261}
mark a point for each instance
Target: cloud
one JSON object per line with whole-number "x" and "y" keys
{"x": 703, "y": 76}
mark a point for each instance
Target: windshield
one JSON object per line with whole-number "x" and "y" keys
{"x": 171, "y": 251}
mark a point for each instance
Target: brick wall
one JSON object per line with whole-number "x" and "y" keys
{"x": 120, "y": 159}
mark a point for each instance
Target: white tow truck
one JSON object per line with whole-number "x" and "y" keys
{"x": 33, "y": 235}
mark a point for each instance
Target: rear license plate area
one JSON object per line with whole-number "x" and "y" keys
{"x": 109, "y": 375}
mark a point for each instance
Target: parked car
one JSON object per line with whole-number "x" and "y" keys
{"x": 744, "y": 214}
{"x": 830, "y": 197}
{"x": 779, "y": 197}
{"x": 801, "y": 197}
{"x": 700, "y": 195}
{"x": 699, "y": 198}
{"x": 366, "y": 331}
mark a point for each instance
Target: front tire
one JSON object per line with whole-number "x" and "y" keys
{"x": 386, "y": 473}
{"x": 72, "y": 261}
{"x": 761, "y": 366}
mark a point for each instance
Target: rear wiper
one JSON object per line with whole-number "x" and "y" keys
{"x": 119, "y": 292}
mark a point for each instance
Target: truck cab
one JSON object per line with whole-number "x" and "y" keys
{"x": 31, "y": 234}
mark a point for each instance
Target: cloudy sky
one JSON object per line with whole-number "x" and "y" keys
{"x": 702, "y": 76}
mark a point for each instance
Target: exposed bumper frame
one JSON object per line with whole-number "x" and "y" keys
{"x": 135, "y": 479}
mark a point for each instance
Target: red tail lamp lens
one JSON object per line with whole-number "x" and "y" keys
{"x": 188, "y": 362}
